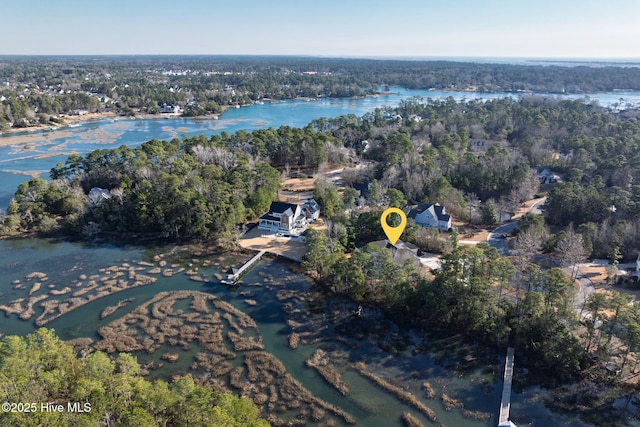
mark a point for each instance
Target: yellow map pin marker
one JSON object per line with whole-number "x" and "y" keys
{"x": 393, "y": 233}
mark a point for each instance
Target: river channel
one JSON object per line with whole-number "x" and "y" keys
{"x": 274, "y": 297}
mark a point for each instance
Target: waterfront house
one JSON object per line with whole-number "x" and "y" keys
{"x": 400, "y": 251}
{"x": 430, "y": 216}
{"x": 169, "y": 109}
{"x": 283, "y": 217}
{"x": 404, "y": 252}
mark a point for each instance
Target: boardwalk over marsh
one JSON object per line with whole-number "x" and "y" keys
{"x": 505, "y": 403}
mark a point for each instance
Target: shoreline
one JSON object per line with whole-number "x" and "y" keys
{"x": 10, "y": 136}
{"x": 71, "y": 120}
{"x": 67, "y": 121}
{"x": 76, "y": 120}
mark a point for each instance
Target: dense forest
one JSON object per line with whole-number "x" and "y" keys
{"x": 483, "y": 159}
{"x": 191, "y": 188}
{"x": 41, "y": 369}
{"x": 38, "y": 90}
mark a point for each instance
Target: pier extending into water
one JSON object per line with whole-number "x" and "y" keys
{"x": 505, "y": 403}
{"x": 233, "y": 277}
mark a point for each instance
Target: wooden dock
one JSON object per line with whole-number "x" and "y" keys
{"x": 233, "y": 277}
{"x": 505, "y": 404}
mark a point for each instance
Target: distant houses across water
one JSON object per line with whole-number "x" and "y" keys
{"x": 169, "y": 109}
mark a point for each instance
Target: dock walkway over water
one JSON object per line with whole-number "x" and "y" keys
{"x": 233, "y": 277}
{"x": 505, "y": 404}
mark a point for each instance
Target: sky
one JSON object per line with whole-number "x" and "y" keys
{"x": 341, "y": 28}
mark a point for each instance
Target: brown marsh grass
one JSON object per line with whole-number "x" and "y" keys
{"x": 401, "y": 394}
{"x": 410, "y": 420}
{"x": 429, "y": 391}
{"x": 108, "y": 311}
{"x": 294, "y": 339}
{"x": 450, "y": 403}
{"x": 320, "y": 362}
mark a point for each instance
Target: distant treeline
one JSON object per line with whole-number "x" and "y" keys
{"x": 38, "y": 89}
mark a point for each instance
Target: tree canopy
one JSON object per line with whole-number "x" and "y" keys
{"x": 40, "y": 368}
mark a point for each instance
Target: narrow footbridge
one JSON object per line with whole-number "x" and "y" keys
{"x": 505, "y": 404}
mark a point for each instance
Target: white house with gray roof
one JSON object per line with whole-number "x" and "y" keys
{"x": 428, "y": 215}
{"x": 287, "y": 217}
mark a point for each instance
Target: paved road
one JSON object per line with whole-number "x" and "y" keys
{"x": 585, "y": 289}
{"x": 495, "y": 237}
{"x": 537, "y": 208}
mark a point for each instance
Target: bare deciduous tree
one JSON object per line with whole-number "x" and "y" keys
{"x": 472, "y": 201}
{"x": 527, "y": 245}
{"x": 525, "y": 189}
{"x": 217, "y": 155}
{"x": 570, "y": 251}
{"x": 118, "y": 194}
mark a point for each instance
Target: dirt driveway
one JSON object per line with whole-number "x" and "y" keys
{"x": 258, "y": 240}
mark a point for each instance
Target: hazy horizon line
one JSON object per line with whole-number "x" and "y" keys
{"x": 381, "y": 57}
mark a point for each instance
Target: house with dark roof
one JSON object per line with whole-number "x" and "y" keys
{"x": 401, "y": 251}
{"x": 545, "y": 176}
{"x": 97, "y": 195}
{"x": 311, "y": 210}
{"x": 283, "y": 217}
{"x": 169, "y": 109}
{"x": 430, "y": 216}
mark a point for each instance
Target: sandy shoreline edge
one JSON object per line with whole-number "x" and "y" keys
{"x": 16, "y": 136}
